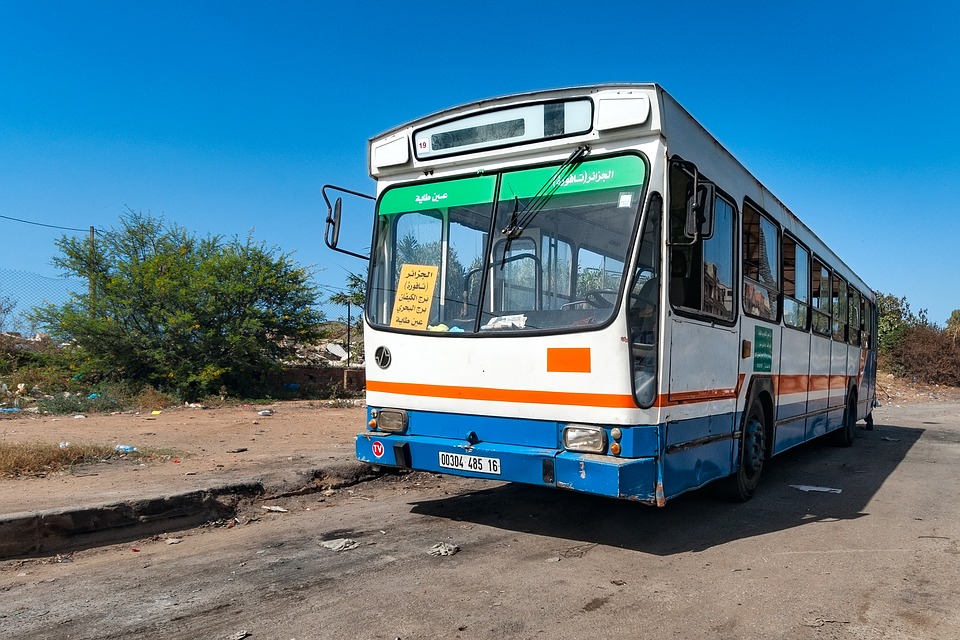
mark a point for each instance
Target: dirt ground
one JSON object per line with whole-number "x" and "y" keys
{"x": 897, "y": 391}
{"x": 204, "y": 446}
{"x": 875, "y": 557}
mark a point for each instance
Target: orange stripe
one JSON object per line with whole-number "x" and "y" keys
{"x": 707, "y": 395}
{"x": 793, "y": 384}
{"x": 819, "y": 383}
{"x": 567, "y": 360}
{"x": 505, "y": 395}
{"x": 839, "y": 382}
{"x": 785, "y": 384}
{"x": 799, "y": 383}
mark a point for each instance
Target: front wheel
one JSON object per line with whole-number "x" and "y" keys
{"x": 753, "y": 452}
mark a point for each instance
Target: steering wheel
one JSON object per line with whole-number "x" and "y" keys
{"x": 595, "y": 298}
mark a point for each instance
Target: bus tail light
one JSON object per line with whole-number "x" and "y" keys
{"x": 392, "y": 420}
{"x": 584, "y": 438}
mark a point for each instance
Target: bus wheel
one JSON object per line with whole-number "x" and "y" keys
{"x": 869, "y": 421}
{"x": 843, "y": 437}
{"x": 753, "y": 448}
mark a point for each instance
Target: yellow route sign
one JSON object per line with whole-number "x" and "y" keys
{"x": 411, "y": 309}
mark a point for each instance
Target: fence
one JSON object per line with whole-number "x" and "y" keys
{"x": 21, "y": 291}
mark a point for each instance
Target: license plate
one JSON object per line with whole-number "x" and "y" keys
{"x": 463, "y": 462}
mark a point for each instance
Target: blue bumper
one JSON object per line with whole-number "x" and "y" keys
{"x": 629, "y": 478}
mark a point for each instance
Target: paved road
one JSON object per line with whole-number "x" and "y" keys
{"x": 881, "y": 559}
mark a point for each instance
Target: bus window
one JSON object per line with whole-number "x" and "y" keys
{"x": 701, "y": 270}
{"x": 840, "y": 314}
{"x": 760, "y": 264}
{"x": 644, "y": 309}
{"x": 557, "y": 263}
{"x": 516, "y": 280}
{"x": 597, "y": 272}
{"x": 537, "y": 281}
{"x": 866, "y": 322}
{"x": 420, "y": 236}
{"x": 821, "y": 298}
{"x": 855, "y": 328}
{"x": 442, "y": 226}
{"x": 796, "y": 284}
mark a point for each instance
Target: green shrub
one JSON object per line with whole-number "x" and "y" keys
{"x": 184, "y": 314}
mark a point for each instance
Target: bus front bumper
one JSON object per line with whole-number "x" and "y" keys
{"x": 628, "y": 478}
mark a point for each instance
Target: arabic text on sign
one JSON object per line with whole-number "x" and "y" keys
{"x": 427, "y": 197}
{"x": 587, "y": 177}
{"x": 411, "y": 308}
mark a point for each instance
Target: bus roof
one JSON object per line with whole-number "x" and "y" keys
{"x": 683, "y": 133}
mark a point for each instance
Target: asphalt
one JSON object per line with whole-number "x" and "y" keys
{"x": 154, "y": 510}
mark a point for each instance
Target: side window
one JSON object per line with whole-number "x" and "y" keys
{"x": 644, "y": 306}
{"x": 821, "y": 298}
{"x": 701, "y": 270}
{"x": 796, "y": 284}
{"x": 840, "y": 315}
{"x": 717, "y": 272}
{"x": 855, "y": 328}
{"x": 866, "y": 322}
{"x": 761, "y": 263}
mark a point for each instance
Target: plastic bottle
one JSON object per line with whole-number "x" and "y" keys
{"x": 125, "y": 448}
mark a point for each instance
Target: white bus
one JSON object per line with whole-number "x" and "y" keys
{"x": 582, "y": 288}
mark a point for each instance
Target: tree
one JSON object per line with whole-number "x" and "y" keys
{"x": 355, "y": 294}
{"x": 6, "y": 308}
{"x": 953, "y": 325}
{"x": 894, "y": 317}
{"x": 185, "y": 314}
{"x": 354, "y": 297}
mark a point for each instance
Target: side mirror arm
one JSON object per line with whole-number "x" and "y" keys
{"x": 331, "y": 231}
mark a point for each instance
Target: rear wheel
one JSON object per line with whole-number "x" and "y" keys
{"x": 843, "y": 437}
{"x": 753, "y": 453}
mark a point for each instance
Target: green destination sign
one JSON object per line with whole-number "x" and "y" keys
{"x": 438, "y": 195}
{"x": 763, "y": 349}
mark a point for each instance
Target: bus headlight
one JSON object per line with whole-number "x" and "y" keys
{"x": 583, "y": 438}
{"x": 392, "y": 420}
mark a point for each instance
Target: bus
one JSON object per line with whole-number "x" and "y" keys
{"x": 583, "y": 289}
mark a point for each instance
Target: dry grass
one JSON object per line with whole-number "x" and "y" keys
{"x": 19, "y": 459}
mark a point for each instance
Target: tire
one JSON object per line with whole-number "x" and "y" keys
{"x": 753, "y": 453}
{"x": 843, "y": 437}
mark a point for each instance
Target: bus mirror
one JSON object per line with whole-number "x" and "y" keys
{"x": 699, "y": 220}
{"x": 332, "y": 232}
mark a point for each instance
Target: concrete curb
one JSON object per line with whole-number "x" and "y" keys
{"x": 57, "y": 530}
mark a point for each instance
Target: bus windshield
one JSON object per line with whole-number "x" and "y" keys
{"x": 442, "y": 261}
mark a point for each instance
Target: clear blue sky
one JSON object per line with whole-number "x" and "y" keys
{"x": 229, "y": 116}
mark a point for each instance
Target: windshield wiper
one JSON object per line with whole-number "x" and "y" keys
{"x": 520, "y": 219}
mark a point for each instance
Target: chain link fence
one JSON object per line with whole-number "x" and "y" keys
{"x": 21, "y": 291}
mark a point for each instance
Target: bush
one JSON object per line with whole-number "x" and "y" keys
{"x": 927, "y": 353}
{"x": 186, "y": 315}
{"x": 65, "y": 403}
